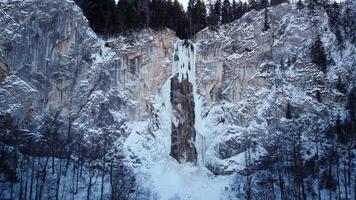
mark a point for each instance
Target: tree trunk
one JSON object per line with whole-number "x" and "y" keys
{"x": 303, "y": 190}
{"x": 90, "y": 182}
{"x": 103, "y": 172}
{"x": 66, "y": 168}
{"x": 272, "y": 187}
{"x": 349, "y": 166}
{"x": 77, "y": 181}
{"x": 37, "y": 178}
{"x": 73, "y": 179}
{"x": 58, "y": 179}
{"x": 330, "y": 174}
{"x": 21, "y": 176}
{"x": 338, "y": 180}
{"x": 281, "y": 182}
{"x": 53, "y": 164}
{"x": 43, "y": 180}
{"x": 26, "y": 182}
{"x": 102, "y": 183}
{"x": 31, "y": 182}
{"x": 11, "y": 190}
{"x": 345, "y": 181}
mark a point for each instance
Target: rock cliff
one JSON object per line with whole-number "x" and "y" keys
{"x": 237, "y": 109}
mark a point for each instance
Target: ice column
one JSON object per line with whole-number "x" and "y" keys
{"x": 182, "y": 96}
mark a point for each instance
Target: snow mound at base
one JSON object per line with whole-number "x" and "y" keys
{"x": 184, "y": 181}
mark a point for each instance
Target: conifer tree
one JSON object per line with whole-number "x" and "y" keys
{"x": 266, "y": 25}
{"x": 226, "y": 12}
{"x": 217, "y": 11}
{"x": 200, "y": 16}
{"x": 263, "y": 4}
{"x": 233, "y": 10}
{"x": 318, "y": 56}
{"x": 277, "y": 2}
{"x": 191, "y": 15}
{"x": 288, "y": 111}
{"x": 211, "y": 19}
{"x": 281, "y": 64}
{"x": 214, "y": 13}
{"x": 253, "y": 5}
{"x": 300, "y": 4}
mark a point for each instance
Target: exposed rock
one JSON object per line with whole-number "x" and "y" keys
{"x": 247, "y": 76}
{"x": 72, "y": 97}
{"x": 183, "y": 130}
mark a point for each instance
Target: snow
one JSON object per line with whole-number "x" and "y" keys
{"x": 187, "y": 182}
{"x": 159, "y": 171}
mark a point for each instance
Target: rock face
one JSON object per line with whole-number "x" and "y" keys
{"x": 183, "y": 106}
{"x": 248, "y": 76}
{"x": 62, "y": 69}
{"x": 66, "y": 93}
{"x": 81, "y": 114}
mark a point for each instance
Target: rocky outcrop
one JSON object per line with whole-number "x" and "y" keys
{"x": 183, "y": 131}
{"x": 67, "y": 93}
{"x": 183, "y": 134}
{"x": 77, "y": 110}
{"x": 81, "y": 79}
{"x": 247, "y": 77}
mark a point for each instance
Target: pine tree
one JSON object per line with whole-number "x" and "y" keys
{"x": 300, "y": 4}
{"x": 253, "y": 5}
{"x": 180, "y": 21}
{"x": 217, "y": 11}
{"x": 277, "y": 2}
{"x": 99, "y": 13}
{"x": 226, "y": 12}
{"x": 191, "y": 15}
{"x": 288, "y": 111}
{"x": 339, "y": 129}
{"x": 199, "y": 16}
{"x": 121, "y": 14}
{"x": 238, "y": 10}
{"x": 318, "y": 56}
{"x": 312, "y": 4}
{"x": 318, "y": 96}
{"x": 281, "y": 64}
{"x": 340, "y": 85}
{"x": 212, "y": 21}
{"x": 214, "y": 14}
{"x": 233, "y": 10}
{"x": 334, "y": 15}
{"x": 264, "y": 4}
{"x": 134, "y": 18}
{"x": 245, "y": 8}
{"x": 266, "y": 23}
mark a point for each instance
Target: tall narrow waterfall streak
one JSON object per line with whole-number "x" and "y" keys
{"x": 185, "y": 68}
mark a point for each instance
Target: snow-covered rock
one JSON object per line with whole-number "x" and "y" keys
{"x": 79, "y": 110}
{"x": 247, "y": 76}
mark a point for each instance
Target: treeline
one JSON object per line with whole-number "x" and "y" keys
{"x": 307, "y": 159}
{"x": 106, "y": 17}
{"x": 53, "y": 165}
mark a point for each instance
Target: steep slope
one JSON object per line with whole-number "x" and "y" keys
{"x": 70, "y": 96}
{"x": 240, "y": 111}
{"x": 267, "y": 107}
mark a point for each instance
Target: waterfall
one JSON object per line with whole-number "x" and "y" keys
{"x": 184, "y": 104}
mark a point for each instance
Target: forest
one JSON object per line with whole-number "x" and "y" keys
{"x": 107, "y": 18}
